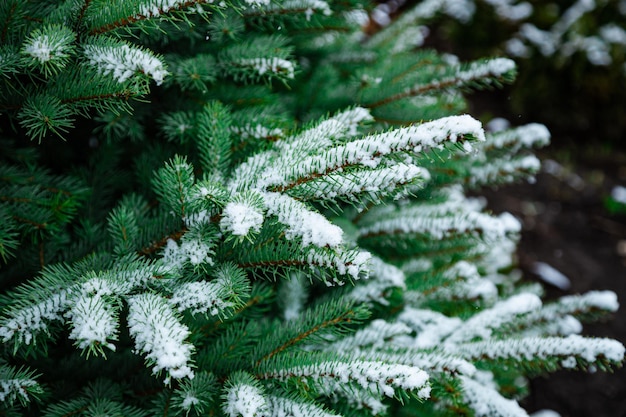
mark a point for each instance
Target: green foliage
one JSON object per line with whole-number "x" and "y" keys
{"x": 259, "y": 209}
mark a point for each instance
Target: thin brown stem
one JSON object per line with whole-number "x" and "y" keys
{"x": 155, "y": 246}
{"x": 345, "y": 317}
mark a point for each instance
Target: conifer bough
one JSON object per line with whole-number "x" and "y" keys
{"x": 260, "y": 210}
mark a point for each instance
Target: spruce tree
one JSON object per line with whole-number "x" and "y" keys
{"x": 259, "y": 208}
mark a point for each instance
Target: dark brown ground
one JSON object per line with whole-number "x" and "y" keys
{"x": 567, "y": 226}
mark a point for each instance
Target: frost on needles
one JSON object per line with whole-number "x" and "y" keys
{"x": 271, "y": 218}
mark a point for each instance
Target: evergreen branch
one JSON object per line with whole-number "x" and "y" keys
{"x": 488, "y": 72}
{"x": 196, "y": 394}
{"x": 296, "y": 407}
{"x": 243, "y": 396}
{"x": 415, "y": 91}
{"x": 36, "y": 225}
{"x": 149, "y": 13}
{"x": 373, "y": 376}
{"x": 18, "y": 385}
{"x": 81, "y": 13}
{"x": 347, "y": 317}
{"x": 332, "y": 263}
{"x": 486, "y": 401}
{"x": 160, "y": 335}
{"x": 243, "y": 215}
{"x": 223, "y": 295}
{"x": 288, "y": 7}
{"x": 7, "y": 22}
{"x": 477, "y": 224}
{"x": 504, "y": 171}
{"x": 161, "y": 243}
{"x": 174, "y": 184}
{"x": 481, "y": 325}
{"x": 124, "y": 95}
{"x": 366, "y": 152}
{"x": 258, "y": 296}
{"x": 526, "y": 136}
{"x": 358, "y": 187}
{"x": 272, "y": 263}
{"x": 183, "y": 283}
{"x": 561, "y": 317}
{"x": 537, "y": 354}
{"x": 303, "y": 222}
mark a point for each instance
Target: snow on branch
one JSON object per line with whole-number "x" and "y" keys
{"x": 264, "y": 66}
{"x": 355, "y": 396}
{"x": 375, "y": 376}
{"x": 94, "y": 322}
{"x": 49, "y": 48}
{"x": 215, "y": 297}
{"x": 201, "y": 297}
{"x": 311, "y": 140}
{"x": 382, "y": 278}
{"x": 11, "y": 389}
{"x": 429, "y": 360}
{"x": 561, "y": 317}
{"x": 307, "y": 7}
{"x": 124, "y": 61}
{"x": 155, "y": 8}
{"x": 478, "y": 73}
{"x": 599, "y": 300}
{"x": 285, "y": 407}
{"x": 295, "y": 148}
{"x": 17, "y": 384}
{"x": 461, "y": 281}
{"x": 487, "y": 402}
{"x": 83, "y": 298}
{"x": 354, "y": 263}
{"x": 271, "y": 171}
{"x": 412, "y": 220}
{"x": 106, "y": 18}
{"x": 244, "y": 398}
{"x": 430, "y": 327}
{"x": 160, "y": 335}
{"x": 243, "y": 214}
{"x": 22, "y": 324}
{"x": 526, "y": 136}
{"x": 482, "y": 324}
{"x": 369, "y": 151}
{"x": 353, "y": 118}
{"x": 191, "y": 250}
{"x": 374, "y": 184}
{"x": 496, "y": 67}
{"x": 377, "y": 334}
{"x": 566, "y": 349}
{"x": 504, "y": 170}
{"x": 303, "y": 222}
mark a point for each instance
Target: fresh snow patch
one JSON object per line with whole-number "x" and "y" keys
{"x": 273, "y": 65}
{"x": 551, "y": 275}
{"x": 124, "y": 62}
{"x": 245, "y": 401}
{"x": 498, "y": 124}
{"x": 618, "y": 193}
{"x": 545, "y": 413}
{"x": 240, "y": 218}
{"x": 40, "y": 49}
{"x": 302, "y": 222}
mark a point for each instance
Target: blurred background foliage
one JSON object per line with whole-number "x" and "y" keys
{"x": 571, "y": 57}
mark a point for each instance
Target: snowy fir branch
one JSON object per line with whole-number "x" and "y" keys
{"x": 260, "y": 208}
